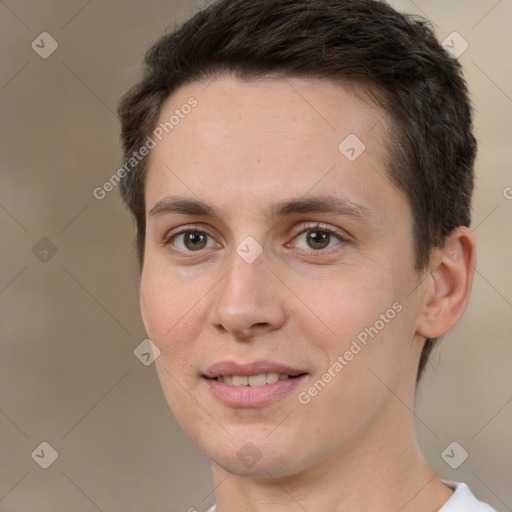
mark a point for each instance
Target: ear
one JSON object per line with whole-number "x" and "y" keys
{"x": 448, "y": 288}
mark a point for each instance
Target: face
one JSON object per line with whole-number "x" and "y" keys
{"x": 278, "y": 281}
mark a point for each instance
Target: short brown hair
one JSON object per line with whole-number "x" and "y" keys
{"x": 396, "y": 57}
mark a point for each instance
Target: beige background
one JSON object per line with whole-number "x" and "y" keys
{"x": 69, "y": 325}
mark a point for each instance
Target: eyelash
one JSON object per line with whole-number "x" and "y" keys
{"x": 316, "y": 226}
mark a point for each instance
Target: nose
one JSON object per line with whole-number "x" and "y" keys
{"x": 247, "y": 301}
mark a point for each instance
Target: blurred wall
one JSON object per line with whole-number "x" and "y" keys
{"x": 69, "y": 307}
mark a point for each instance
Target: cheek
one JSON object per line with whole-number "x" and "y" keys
{"x": 167, "y": 305}
{"x": 370, "y": 327}
{"x": 352, "y": 301}
{"x": 171, "y": 322}
{"x": 174, "y": 314}
{"x": 157, "y": 308}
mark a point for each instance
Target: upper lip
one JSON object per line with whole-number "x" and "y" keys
{"x": 248, "y": 369}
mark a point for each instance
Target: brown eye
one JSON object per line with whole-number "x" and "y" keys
{"x": 191, "y": 240}
{"x": 318, "y": 239}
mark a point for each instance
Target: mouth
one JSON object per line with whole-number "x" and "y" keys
{"x": 251, "y": 385}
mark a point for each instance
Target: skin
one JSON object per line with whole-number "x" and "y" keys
{"x": 246, "y": 146}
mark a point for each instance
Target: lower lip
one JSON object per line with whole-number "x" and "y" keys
{"x": 252, "y": 396}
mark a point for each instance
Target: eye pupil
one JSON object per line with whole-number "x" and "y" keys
{"x": 197, "y": 240}
{"x": 316, "y": 239}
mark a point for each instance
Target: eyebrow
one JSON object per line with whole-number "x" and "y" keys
{"x": 310, "y": 204}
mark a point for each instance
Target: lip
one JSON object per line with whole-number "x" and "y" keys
{"x": 249, "y": 396}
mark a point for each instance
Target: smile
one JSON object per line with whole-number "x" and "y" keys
{"x": 256, "y": 384}
{"x": 252, "y": 380}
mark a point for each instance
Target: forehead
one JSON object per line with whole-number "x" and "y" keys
{"x": 267, "y": 139}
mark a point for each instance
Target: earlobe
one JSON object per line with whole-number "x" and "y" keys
{"x": 448, "y": 289}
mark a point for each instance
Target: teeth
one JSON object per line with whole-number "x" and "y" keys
{"x": 257, "y": 380}
{"x": 254, "y": 380}
{"x": 273, "y": 377}
{"x": 240, "y": 381}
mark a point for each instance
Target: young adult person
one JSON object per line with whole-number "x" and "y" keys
{"x": 301, "y": 175}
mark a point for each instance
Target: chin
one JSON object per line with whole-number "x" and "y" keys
{"x": 268, "y": 466}
{"x": 256, "y": 456}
